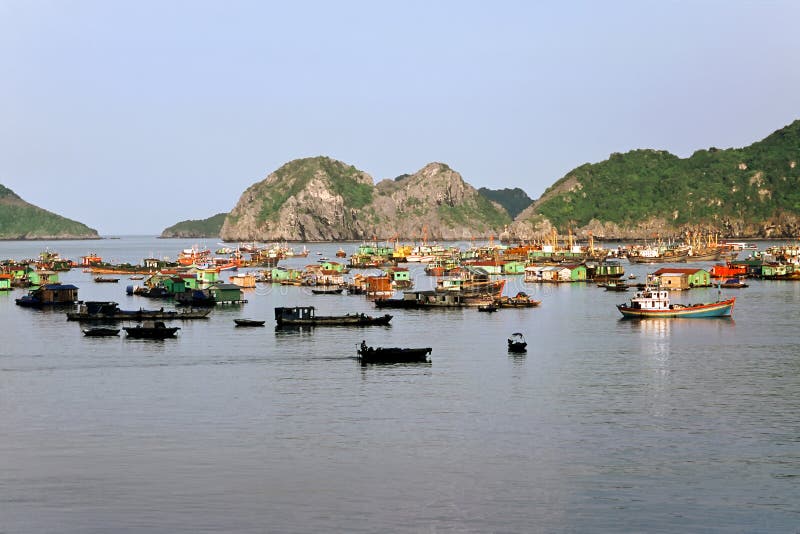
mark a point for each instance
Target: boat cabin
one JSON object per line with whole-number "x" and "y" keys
{"x": 651, "y": 299}
{"x": 294, "y": 314}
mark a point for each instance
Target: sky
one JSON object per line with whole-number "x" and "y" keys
{"x": 132, "y": 116}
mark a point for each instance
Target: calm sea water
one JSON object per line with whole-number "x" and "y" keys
{"x": 605, "y": 425}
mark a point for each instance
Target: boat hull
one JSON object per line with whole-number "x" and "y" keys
{"x": 338, "y": 320}
{"x": 140, "y": 332}
{"x": 371, "y": 355}
{"x": 722, "y": 308}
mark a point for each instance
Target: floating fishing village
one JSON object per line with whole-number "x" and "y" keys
{"x": 199, "y": 279}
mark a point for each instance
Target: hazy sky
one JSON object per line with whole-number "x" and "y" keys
{"x": 131, "y": 116}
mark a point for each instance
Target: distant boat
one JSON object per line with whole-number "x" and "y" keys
{"x": 306, "y": 316}
{"x": 369, "y": 355}
{"x": 105, "y": 280}
{"x": 733, "y": 283}
{"x": 616, "y": 286}
{"x": 154, "y": 330}
{"x": 248, "y": 322}
{"x": 341, "y": 253}
{"x": 487, "y": 308}
{"x": 100, "y": 332}
{"x": 654, "y": 302}
{"x": 327, "y": 290}
{"x": 517, "y": 343}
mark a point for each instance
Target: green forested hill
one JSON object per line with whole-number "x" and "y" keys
{"x": 21, "y": 220}
{"x": 721, "y": 188}
{"x": 513, "y": 200}
{"x": 196, "y": 228}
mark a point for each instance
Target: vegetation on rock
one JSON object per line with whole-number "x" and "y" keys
{"x": 513, "y": 200}
{"x": 715, "y": 188}
{"x": 21, "y": 220}
{"x": 196, "y": 228}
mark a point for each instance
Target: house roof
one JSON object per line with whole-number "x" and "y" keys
{"x": 682, "y": 270}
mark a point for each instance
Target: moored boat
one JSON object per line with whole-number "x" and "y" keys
{"x": 100, "y": 332}
{"x": 151, "y": 330}
{"x": 655, "y": 302}
{"x": 306, "y": 316}
{"x": 327, "y": 290}
{"x": 109, "y": 311}
{"x": 369, "y": 355}
{"x": 733, "y": 283}
{"x": 248, "y": 322}
{"x": 105, "y": 280}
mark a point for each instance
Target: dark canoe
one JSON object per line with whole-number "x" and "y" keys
{"x": 487, "y": 308}
{"x": 156, "y": 331}
{"x": 100, "y": 332}
{"x": 369, "y": 355}
{"x": 105, "y": 280}
{"x": 248, "y": 322}
{"x": 327, "y": 290}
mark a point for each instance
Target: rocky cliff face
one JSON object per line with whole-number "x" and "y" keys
{"x": 320, "y": 199}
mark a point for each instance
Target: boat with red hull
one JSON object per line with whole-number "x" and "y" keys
{"x": 653, "y": 302}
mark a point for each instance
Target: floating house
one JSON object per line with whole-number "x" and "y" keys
{"x": 401, "y": 277}
{"x": 682, "y": 278}
{"x": 244, "y": 280}
{"x": 5, "y": 281}
{"x": 49, "y": 295}
{"x": 379, "y": 285}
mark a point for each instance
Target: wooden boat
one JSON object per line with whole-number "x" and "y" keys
{"x": 369, "y": 355}
{"x": 733, "y": 283}
{"x": 487, "y": 308}
{"x": 327, "y": 290}
{"x": 425, "y": 299}
{"x": 616, "y": 286}
{"x": 100, "y": 332}
{"x": 654, "y": 302}
{"x": 248, "y": 322}
{"x": 306, "y": 316}
{"x": 517, "y": 343}
{"x": 341, "y": 253}
{"x": 656, "y": 255}
{"x": 154, "y": 330}
{"x": 109, "y": 311}
{"x": 520, "y": 300}
{"x": 105, "y": 280}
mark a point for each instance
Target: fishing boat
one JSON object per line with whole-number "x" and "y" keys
{"x": 105, "y": 280}
{"x": 487, "y": 308}
{"x": 616, "y": 286}
{"x": 369, "y": 355}
{"x": 100, "y": 332}
{"x": 520, "y": 300}
{"x": 655, "y": 302}
{"x": 341, "y": 253}
{"x": 517, "y": 343}
{"x": 733, "y": 283}
{"x": 327, "y": 290}
{"x": 152, "y": 330}
{"x": 248, "y": 322}
{"x": 306, "y": 316}
{"x": 658, "y": 255}
{"x": 98, "y": 311}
